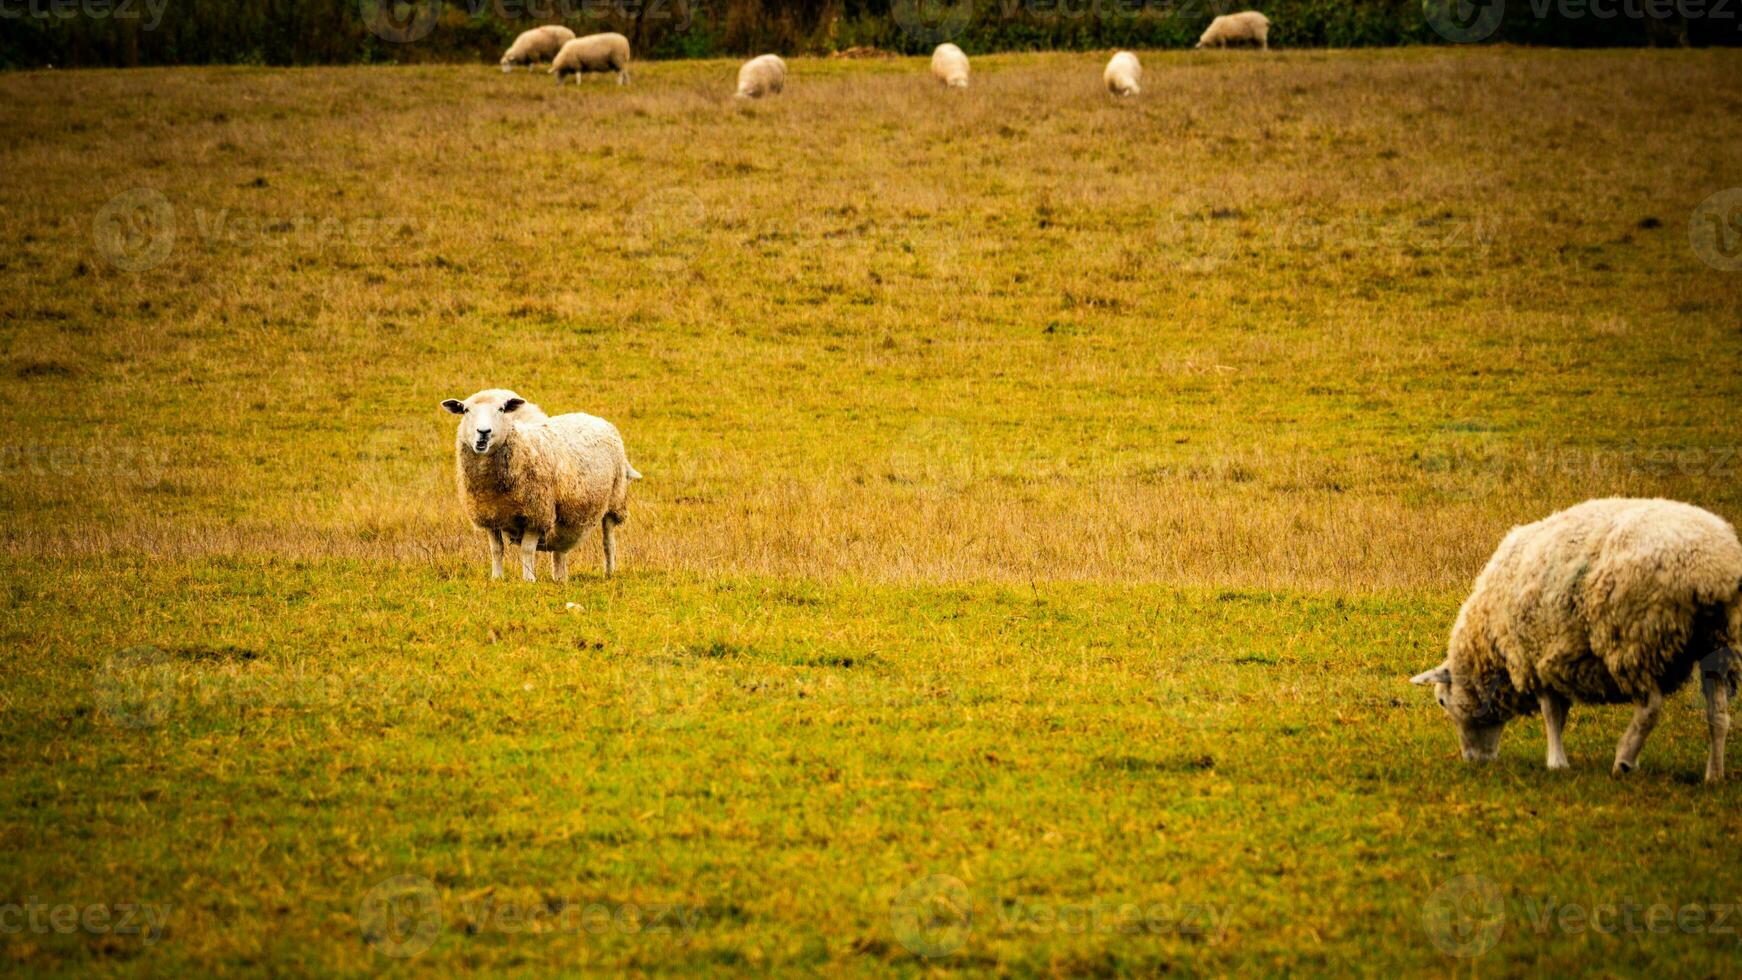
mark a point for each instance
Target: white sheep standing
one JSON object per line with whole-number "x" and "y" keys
{"x": 539, "y": 482}
{"x": 593, "y": 53}
{"x": 538, "y": 44}
{"x": 763, "y": 75}
{"x": 950, "y": 65}
{"x": 1123, "y": 74}
{"x": 1245, "y": 27}
{"x": 1612, "y": 601}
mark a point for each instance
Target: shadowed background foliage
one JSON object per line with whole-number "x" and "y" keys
{"x": 81, "y": 33}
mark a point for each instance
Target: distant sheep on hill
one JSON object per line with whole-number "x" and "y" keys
{"x": 950, "y": 66}
{"x": 593, "y": 53}
{"x": 1246, "y": 27}
{"x": 538, "y": 44}
{"x": 764, "y": 75}
{"x": 1123, "y": 74}
{"x": 1612, "y": 601}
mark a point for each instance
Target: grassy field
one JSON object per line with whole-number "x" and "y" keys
{"x": 1047, "y": 498}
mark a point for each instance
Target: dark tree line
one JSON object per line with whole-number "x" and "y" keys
{"x": 82, "y": 33}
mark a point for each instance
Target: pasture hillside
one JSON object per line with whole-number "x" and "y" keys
{"x": 1046, "y": 499}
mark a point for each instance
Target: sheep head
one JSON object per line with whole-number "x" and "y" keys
{"x": 485, "y": 418}
{"x": 1478, "y": 715}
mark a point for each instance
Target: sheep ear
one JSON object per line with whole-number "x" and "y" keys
{"x": 512, "y": 404}
{"x": 1439, "y": 675}
{"x": 454, "y": 405}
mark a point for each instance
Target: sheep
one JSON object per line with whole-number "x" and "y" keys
{"x": 595, "y": 52}
{"x": 1608, "y": 602}
{"x": 950, "y": 66}
{"x": 1122, "y": 74}
{"x": 765, "y": 75}
{"x": 538, "y": 44}
{"x": 1246, "y": 27}
{"x": 537, "y": 481}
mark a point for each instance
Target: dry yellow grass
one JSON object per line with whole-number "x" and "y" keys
{"x": 1309, "y": 329}
{"x": 1316, "y": 319}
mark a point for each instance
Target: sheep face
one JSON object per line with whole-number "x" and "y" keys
{"x": 484, "y": 418}
{"x": 1479, "y": 719}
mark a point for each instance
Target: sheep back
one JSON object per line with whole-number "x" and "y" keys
{"x": 762, "y": 75}
{"x": 1123, "y": 74}
{"x": 558, "y": 477}
{"x": 950, "y": 66}
{"x": 1248, "y": 25}
{"x": 538, "y": 44}
{"x": 593, "y": 53}
{"x": 1604, "y": 602}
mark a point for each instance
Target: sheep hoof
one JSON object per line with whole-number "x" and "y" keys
{"x": 1622, "y": 768}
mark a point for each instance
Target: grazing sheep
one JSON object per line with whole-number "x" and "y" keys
{"x": 539, "y": 482}
{"x": 765, "y": 75}
{"x": 1246, "y": 27}
{"x": 1122, "y": 74}
{"x": 950, "y": 66}
{"x": 1607, "y": 602}
{"x": 538, "y": 44}
{"x": 595, "y": 52}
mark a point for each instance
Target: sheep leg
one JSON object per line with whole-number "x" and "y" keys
{"x": 559, "y": 566}
{"x": 1554, "y": 718}
{"x": 1644, "y": 720}
{"x": 528, "y": 555}
{"x": 495, "y": 553}
{"x": 1716, "y": 688}
{"x": 608, "y": 528}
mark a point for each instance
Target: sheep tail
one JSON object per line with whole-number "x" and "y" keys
{"x": 633, "y": 473}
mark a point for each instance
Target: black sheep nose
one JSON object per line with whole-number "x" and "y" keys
{"x": 483, "y": 434}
